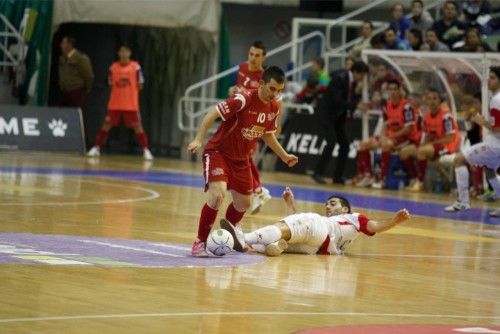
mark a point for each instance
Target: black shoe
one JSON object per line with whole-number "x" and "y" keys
{"x": 318, "y": 179}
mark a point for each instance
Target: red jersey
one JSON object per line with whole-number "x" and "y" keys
{"x": 245, "y": 119}
{"x": 441, "y": 124}
{"x": 124, "y": 80}
{"x": 247, "y": 78}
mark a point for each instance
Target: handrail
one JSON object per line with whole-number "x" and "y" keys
{"x": 10, "y": 32}
{"x": 354, "y": 13}
{"x": 270, "y": 53}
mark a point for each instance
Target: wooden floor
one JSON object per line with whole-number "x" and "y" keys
{"x": 428, "y": 271}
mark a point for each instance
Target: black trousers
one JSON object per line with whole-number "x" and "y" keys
{"x": 334, "y": 132}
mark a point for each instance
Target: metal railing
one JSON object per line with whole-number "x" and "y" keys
{"x": 9, "y": 58}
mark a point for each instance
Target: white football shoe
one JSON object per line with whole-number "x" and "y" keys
{"x": 94, "y": 152}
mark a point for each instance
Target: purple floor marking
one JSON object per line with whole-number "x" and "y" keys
{"x": 110, "y": 252}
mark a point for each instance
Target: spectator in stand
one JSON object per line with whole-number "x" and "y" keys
{"x": 472, "y": 10}
{"x": 441, "y": 135}
{"x": 432, "y": 43}
{"x": 449, "y": 29}
{"x": 338, "y": 100}
{"x": 473, "y": 42}
{"x": 366, "y": 33}
{"x": 421, "y": 19}
{"x": 399, "y": 22}
{"x": 393, "y": 41}
{"x": 348, "y": 62}
{"x": 318, "y": 71}
{"x": 378, "y": 41}
{"x": 415, "y": 39}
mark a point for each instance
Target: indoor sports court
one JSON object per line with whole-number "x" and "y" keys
{"x": 103, "y": 246}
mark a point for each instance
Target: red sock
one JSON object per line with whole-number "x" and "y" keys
{"x": 143, "y": 140}
{"x": 207, "y": 220}
{"x": 101, "y": 137}
{"x": 385, "y": 159}
{"x": 255, "y": 175}
{"x": 233, "y": 215}
{"x": 410, "y": 167}
{"x": 365, "y": 162}
{"x": 477, "y": 173}
{"x": 422, "y": 166}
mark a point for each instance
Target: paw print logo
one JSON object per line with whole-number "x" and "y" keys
{"x": 58, "y": 127}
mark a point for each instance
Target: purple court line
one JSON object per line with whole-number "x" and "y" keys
{"x": 372, "y": 202}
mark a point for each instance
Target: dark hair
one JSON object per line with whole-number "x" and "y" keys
{"x": 320, "y": 61}
{"x": 274, "y": 72}
{"x": 394, "y": 82}
{"x": 70, "y": 40}
{"x": 369, "y": 23}
{"x": 125, "y": 46}
{"x": 496, "y": 70}
{"x": 259, "y": 45}
{"x": 398, "y": 4}
{"x": 451, "y": 2}
{"x": 433, "y": 30}
{"x": 343, "y": 201}
{"x": 359, "y": 67}
{"x": 435, "y": 90}
{"x": 417, "y": 33}
{"x": 417, "y": 1}
{"x": 378, "y": 38}
{"x": 391, "y": 28}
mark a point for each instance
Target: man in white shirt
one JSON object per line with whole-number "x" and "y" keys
{"x": 311, "y": 233}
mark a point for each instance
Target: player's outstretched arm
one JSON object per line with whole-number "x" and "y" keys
{"x": 207, "y": 122}
{"x": 289, "y": 201}
{"x": 289, "y": 159}
{"x": 378, "y": 227}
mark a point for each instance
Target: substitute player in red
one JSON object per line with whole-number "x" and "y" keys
{"x": 441, "y": 137}
{"x": 246, "y": 117}
{"x": 401, "y": 128}
{"x": 126, "y": 80}
{"x": 249, "y": 75}
{"x": 486, "y": 153}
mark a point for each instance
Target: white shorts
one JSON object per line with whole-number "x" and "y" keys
{"x": 483, "y": 154}
{"x": 308, "y": 232}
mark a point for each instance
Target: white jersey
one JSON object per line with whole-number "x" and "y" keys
{"x": 312, "y": 233}
{"x": 493, "y": 138}
{"x": 487, "y": 153}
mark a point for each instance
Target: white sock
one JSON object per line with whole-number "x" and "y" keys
{"x": 495, "y": 184}
{"x": 263, "y": 236}
{"x": 462, "y": 175}
{"x": 259, "y": 248}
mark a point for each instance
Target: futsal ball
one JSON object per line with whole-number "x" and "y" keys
{"x": 220, "y": 242}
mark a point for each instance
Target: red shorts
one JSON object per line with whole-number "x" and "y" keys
{"x": 131, "y": 119}
{"x": 236, "y": 173}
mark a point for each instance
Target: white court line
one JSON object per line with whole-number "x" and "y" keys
{"x": 152, "y": 195}
{"x": 255, "y": 314}
{"x": 429, "y": 256}
{"x": 130, "y": 248}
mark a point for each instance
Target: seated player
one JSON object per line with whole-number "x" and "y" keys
{"x": 441, "y": 137}
{"x": 400, "y": 129}
{"x": 486, "y": 153}
{"x": 311, "y": 233}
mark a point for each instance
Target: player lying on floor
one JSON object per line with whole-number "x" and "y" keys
{"x": 311, "y": 233}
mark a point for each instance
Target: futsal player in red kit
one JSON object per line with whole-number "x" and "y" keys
{"x": 249, "y": 76}
{"x": 246, "y": 117}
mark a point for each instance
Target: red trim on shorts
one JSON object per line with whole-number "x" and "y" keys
{"x": 323, "y": 250}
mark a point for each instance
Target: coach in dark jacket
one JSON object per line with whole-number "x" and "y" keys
{"x": 338, "y": 99}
